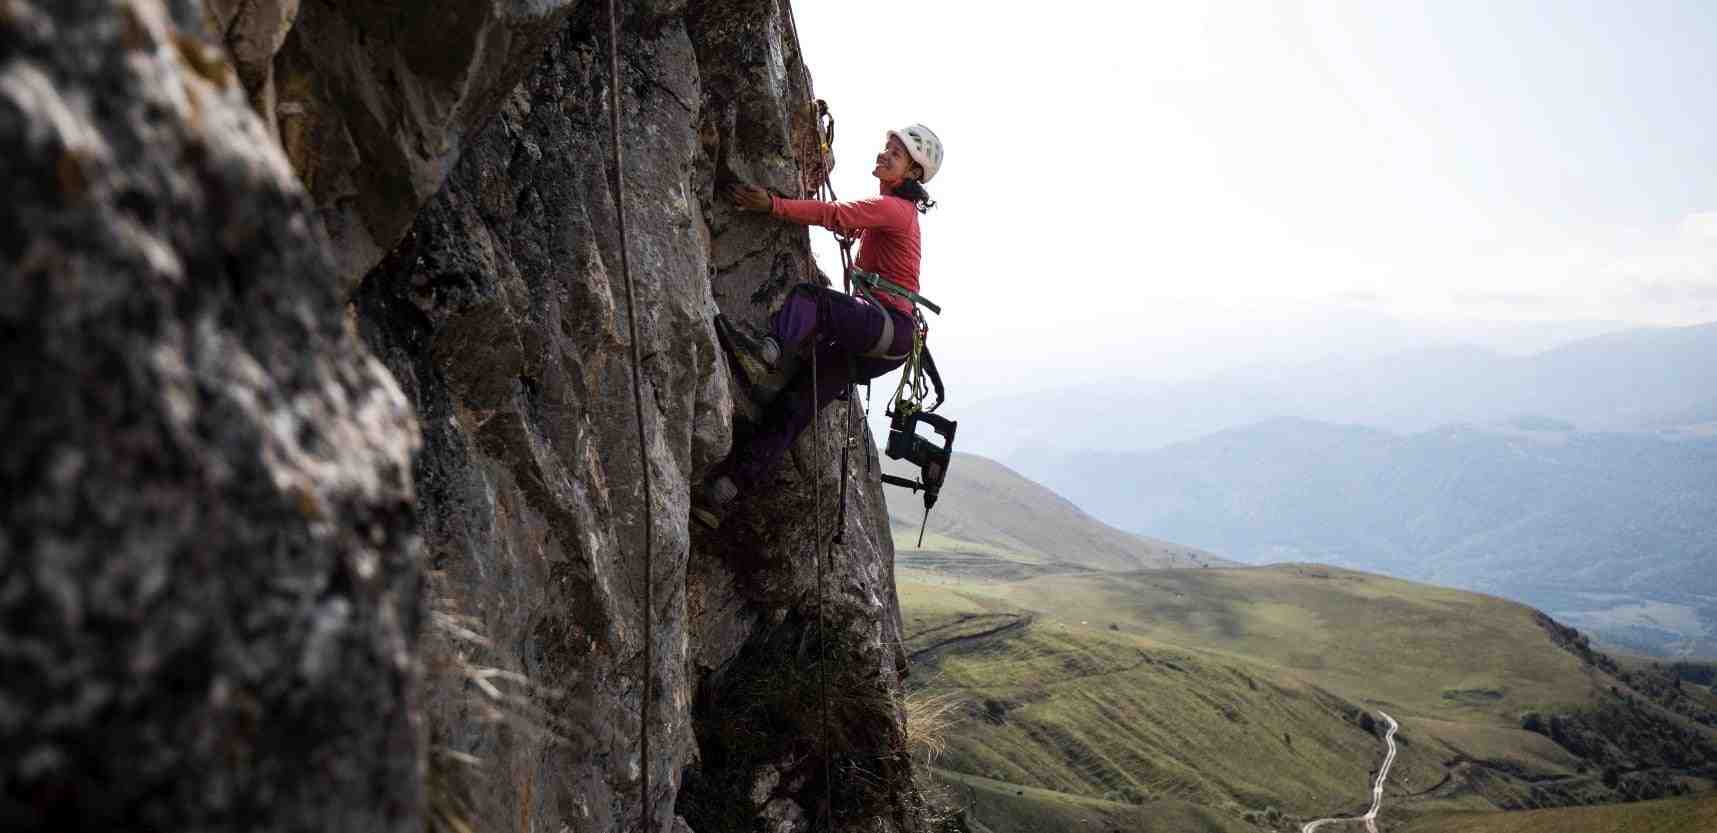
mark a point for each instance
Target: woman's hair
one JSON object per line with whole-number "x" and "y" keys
{"x": 913, "y": 191}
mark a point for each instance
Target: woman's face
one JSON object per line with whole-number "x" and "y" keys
{"x": 893, "y": 164}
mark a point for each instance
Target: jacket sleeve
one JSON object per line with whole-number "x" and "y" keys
{"x": 844, "y": 217}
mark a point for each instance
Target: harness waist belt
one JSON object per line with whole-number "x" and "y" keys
{"x": 885, "y": 340}
{"x": 882, "y": 284}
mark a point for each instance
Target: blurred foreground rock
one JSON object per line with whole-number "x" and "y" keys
{"x": 208, "y": 570}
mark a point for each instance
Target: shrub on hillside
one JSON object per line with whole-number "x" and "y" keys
{"x": 1267, "y": 817}
{"x": 1534, "y": 722}
{"x": 1698, "y": 673}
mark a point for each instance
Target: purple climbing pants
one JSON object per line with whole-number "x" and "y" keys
{"x": 842, "y": 328}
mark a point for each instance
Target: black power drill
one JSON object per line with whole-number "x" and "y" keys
{"x": 905, "y": 444}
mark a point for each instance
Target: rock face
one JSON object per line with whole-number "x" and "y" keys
{"x": 240, "y": 589}
{"x": 208, "y": 574}
{"x": 503, "y": 315}
{"x": 374, "y": 99}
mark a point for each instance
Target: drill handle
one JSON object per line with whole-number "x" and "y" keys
{"x": 901, "y": 481}
{"x": 940, "y": 424}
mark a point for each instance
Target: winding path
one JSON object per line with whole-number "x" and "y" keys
{"x": 1370, "y": 817}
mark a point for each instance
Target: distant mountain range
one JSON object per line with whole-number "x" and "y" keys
{"x": 1535, "y": 512}
{"x": 1653, "y": 380}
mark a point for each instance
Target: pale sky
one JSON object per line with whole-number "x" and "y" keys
{"x": 1160, "y": 190}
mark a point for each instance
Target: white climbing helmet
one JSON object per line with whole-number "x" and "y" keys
{"x": 923, "y": 146}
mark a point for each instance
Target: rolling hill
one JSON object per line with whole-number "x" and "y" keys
{"x": 989, "y": 514}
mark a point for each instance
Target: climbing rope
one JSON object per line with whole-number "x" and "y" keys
{"x": 816, "y": 162}
{"x": 813, "y": 146}
{"x": 814, "y": 151}
{"x": 617, "y": 184}
{"x": 827, "y": 810}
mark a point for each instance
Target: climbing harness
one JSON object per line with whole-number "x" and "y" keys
{"x": 872, "y": 282}
{"x": 617, "y": 184}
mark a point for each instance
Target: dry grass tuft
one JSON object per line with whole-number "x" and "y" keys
{"x": 456, "y": 651}
{"x": 928, "y": 719}
{"x": 507, "y": 696}
{"x": 447, "y": 791}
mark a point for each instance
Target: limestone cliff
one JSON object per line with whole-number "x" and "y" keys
{"x": 233, "y": 597}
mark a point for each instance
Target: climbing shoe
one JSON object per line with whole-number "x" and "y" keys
{"x": 713, "y": 500}
{"x": 762, "y": 364}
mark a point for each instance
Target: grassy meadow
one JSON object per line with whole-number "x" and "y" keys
{"x": 1676, "y": 815}
{"x": 1422, "y": 650}
{"x": 1001, "y": 807}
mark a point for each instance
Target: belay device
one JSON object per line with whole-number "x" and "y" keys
{"x": 904, "y": 443}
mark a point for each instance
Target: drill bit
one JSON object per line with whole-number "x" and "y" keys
{"x": 921, "y": 527}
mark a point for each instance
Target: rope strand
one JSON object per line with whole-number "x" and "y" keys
{"x": 822, "y": 631}
{"x": 616, "y": 182}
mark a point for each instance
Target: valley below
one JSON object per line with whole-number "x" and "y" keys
{"x": 1184, "y": 692}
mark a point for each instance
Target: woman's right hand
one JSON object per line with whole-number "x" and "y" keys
{"x": 752, "y": 198}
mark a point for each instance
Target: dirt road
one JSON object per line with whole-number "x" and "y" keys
{"x": 1370, "y": 817}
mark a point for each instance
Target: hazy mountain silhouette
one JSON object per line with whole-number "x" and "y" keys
{"x": 1648, "y": 379}
{"x": 1534, "y": 515}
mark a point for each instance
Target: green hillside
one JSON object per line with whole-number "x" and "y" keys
{"x": 1440, "y": 646}
{"x": 1682, "y": 815}
{"x": 1000, "y": 807}
{"x": 989, "y": 516}
{"x": 1249, "y": 692}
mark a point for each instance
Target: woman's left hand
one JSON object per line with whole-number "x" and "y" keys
{"x": 752, "y": 198}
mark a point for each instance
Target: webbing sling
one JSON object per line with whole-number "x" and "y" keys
{"x": 881, "y": 284}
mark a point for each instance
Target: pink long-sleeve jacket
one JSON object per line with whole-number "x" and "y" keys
{"x": 887, "y": 227}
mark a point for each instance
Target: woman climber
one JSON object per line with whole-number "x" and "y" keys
{"x": 856, "y": 339}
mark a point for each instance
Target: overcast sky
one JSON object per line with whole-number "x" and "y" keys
{"x": 1159, "y": 190}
